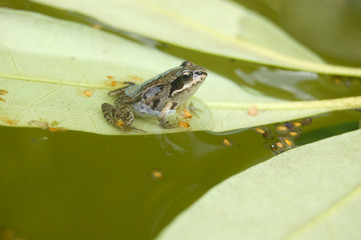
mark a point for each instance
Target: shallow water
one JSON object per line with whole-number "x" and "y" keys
{"x": 74, "y": 185}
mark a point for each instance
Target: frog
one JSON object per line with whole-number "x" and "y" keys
{"x": 160, "y": 97}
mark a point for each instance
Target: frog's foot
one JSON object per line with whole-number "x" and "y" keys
{"x": 113, "y": 115}
{"x": 129, "y": 83}
{"x": 164, "y": 122}
{"x": 133, "y": 128}
{"x": 193, "y": 109}
{"x": 119, "y": 117}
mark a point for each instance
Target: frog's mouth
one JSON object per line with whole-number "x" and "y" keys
{"x": 200, "y": 76}
{"x": 185, "y": 90}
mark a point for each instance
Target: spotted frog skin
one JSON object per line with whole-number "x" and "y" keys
{"x": 158, "y": 97}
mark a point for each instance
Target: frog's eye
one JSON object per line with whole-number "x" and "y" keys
{"x": 186, "y": 76}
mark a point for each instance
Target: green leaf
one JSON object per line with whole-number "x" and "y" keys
{"x": 49, "y": 66}
{"x": 311, "y": 192}
{"x": 218, "y": 27}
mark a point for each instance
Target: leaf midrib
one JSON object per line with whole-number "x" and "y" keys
{"x": 53, "y": 81}
{"x": 333, "y": 104}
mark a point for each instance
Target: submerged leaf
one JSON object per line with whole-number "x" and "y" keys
{"x": 59, "y": 71}
{"x": 219, "y": 27}
{"x": 306, "y": 193}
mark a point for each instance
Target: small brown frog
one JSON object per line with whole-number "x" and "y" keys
{"x": 158, "y": 97}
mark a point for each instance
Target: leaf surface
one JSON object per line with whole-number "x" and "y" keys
{"x": 219, "y": 27}
{"x": 57, "y": 75}
{"x": 310, "y": 192}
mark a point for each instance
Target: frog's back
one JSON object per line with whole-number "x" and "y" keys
{"x": 151, "y": 101}
{"x": 149, "y": 98}
{"x": 138, "y": 89}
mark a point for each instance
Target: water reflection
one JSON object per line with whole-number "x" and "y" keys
{"x": 283, "y": 80}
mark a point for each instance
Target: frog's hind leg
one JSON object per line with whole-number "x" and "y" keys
{"x": 120, "y": 117}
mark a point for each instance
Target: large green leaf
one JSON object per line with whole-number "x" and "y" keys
{"x": 219, "y": 27}
{"x": 311, "y": 192}
{"x": 47, "y": 64}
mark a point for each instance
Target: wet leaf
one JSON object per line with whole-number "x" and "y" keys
{"x": 223, "y": 28}
{"x": 311, "y": 192}
{"x": 54, "y": 70}
{"x": 59, "y": 72}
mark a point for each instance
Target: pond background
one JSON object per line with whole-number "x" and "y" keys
{"x": 74, "y": 185}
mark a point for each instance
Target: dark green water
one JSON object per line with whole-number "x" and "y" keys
{"x": 78, "y": 185}
{"x": 73, "y": 185}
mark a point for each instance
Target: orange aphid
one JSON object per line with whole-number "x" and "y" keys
{"x": 57, "y": 129}
{"x": 86, "y": 93}
{"x": 2, "y": 100}
{"x": 280, "y": 145}
{"x": 110, "y": 77}
{"x": 260, "y": 130}
{"x": 89, "y": 92}
{"x": 297, "y": 124}
{"x": 112, "y": 83}
{"x": 3, "y": 92}
{"x": 53, "y": 129}
{"x": 157, "y": 174}
{"x": 227, "y": 143}
{"x": 293, "y": 134}
{"x": 12, "y": 122}
{"x": 184, "y": 124}
{"x": 282, "y": 128}
{"x": 253, "y": 111}
{"x": 120, "y": 123}
{"x": 9, "y": 121}
{"x": 288, "y": 142}
{"x": 186, "y": 114}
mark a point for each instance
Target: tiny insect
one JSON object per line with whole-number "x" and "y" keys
{"x": 184, "y": 124}
{"x": 156, "y": 174}
{"x": 253, "y": 111}
{"x": 3, "y": 92}
{"x": 226, "y": 142}
{"x": 86, "y": 93}
{"x": 186, "y": 114}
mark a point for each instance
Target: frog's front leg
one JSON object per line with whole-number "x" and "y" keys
{"x": 120, "y": 91}
{"x": 164, "y": 122}
{"x": 117, "y": 92}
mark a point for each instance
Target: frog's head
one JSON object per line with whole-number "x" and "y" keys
{"x": 187, "y": 81}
